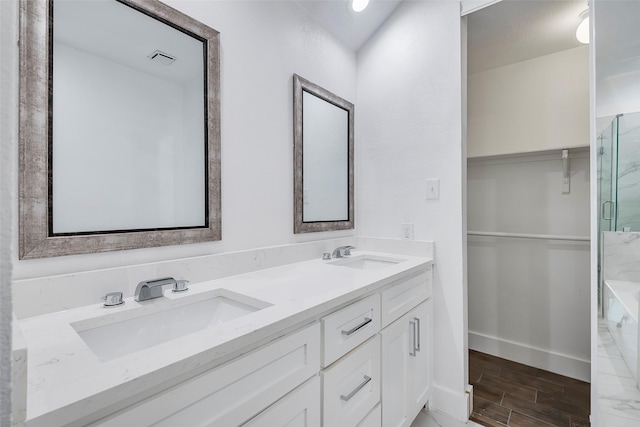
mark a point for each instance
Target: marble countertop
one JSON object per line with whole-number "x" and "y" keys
{"x": 67, "y": 383}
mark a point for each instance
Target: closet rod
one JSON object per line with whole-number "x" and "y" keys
{"x": 529, "y": 236}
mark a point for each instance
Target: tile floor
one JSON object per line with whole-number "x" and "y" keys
{"x": 438, "y": 419}
{"x": 618, "y": 397}
{"x": 507, "y": 393}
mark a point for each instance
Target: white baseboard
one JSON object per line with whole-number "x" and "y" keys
{"x": 449, "y": 402}
{"x": 553, "y": 362}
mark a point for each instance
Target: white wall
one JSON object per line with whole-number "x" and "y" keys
{"x": 534, "y": 105}
{"x": 529, "y": 299}
{"x": 408, "y": 129}
{"x": 262, "y": 45}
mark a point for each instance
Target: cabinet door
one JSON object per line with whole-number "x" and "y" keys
{"x": 406, "y": 369}
{"x": 396, "y": 345}
{"x": 300, "y": 408}
{"x": 419, "y": 366}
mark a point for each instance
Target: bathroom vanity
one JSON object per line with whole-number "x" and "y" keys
{"x": 322, "y": 342}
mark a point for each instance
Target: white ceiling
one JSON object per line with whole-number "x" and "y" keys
{"x": 517, "y": 30}
{"x": 90, "y": 26}
{"x": 351, "y": 28}
{"x": 507, "y": 32}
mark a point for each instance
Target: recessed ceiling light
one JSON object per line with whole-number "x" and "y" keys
{"x": 582, "y": 33}
{"x": 359, "y": 5}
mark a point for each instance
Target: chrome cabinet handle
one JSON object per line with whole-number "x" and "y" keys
{"x": 413, "y": 338}
{"x": 417, "y": 333}
{"x": 357, "y": 389}
{"x": 367, "y": 320}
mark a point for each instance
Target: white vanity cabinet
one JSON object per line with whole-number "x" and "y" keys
{"x": 351, "y": 378}
{"x": 351, "y": 386}
{"x": 231, "y": 394}
{"x": 406, "y": 354}
{"x": 363, "y": 363}
{"x": 300, "y": 408}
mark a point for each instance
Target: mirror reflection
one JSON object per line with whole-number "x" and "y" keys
{"x": 128, "y": 121}
{"x": 325, "y": 129}
{"x": 323, "y": 159}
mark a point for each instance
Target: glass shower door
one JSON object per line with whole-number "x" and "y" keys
{"x": 607, "y": 177}
{"x": 606, "y": 193}
{"x": 627, "y": 173}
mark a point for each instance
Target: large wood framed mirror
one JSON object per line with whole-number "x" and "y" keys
{"x": 119, "y": 127}
{"x": 323, "y": 159}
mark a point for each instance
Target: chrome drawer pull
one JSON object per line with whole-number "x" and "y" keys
{"x": 367, "y": 320}
{"x": 357, "y": 389}
{"x": 413, "y": 338}
{"x": 417, "y": 332}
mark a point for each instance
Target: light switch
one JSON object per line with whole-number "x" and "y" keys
{"x": 433, "y": 189}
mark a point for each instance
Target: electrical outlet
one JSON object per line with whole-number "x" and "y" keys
{"x": 433, "y": 189}
{"x": 407, "y": 231}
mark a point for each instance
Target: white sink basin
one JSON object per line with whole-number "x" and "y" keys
{"x": 161, "y": 320}
{"x": 367, "y": 262}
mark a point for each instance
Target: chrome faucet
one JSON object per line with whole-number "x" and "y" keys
{"x": 342, "y": 251}
{"x": 150, "y": 289}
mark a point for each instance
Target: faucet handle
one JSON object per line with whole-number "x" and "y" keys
{"x": 113, "y": 299}
{"x": 180, "y": 286}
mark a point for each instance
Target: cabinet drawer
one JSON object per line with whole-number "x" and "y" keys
{"x": 346, "y": 329}
{"x": 404, "y": 295}
{"x": 231, "y": 394}
{"x": 300, "y": 408}
{"x": 351, "y": 387}
{"x": 373, "y": 418}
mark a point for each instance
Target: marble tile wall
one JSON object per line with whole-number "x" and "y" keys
{"x": 629, "y": 173}
{"x": 618, "y": 397}
{"x": 621, "y": 256}
{"x": 41, "y": 295}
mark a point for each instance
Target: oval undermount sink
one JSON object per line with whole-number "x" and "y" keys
{"x": 161, "y": 320}
{"x": 367, "y": 262}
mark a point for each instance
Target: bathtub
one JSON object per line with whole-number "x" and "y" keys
{"x": 621, "y": 314}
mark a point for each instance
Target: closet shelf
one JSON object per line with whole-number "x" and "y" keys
{"x": 529, "y": 236}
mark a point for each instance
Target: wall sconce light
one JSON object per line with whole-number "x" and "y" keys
{"x": 359, "y": 5}
{"x": 582, "y": 33}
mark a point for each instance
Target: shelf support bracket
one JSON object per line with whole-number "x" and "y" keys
{"x": 566, "y": 173}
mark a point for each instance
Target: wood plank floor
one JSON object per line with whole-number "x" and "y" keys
{"x": 507, "y": 393}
